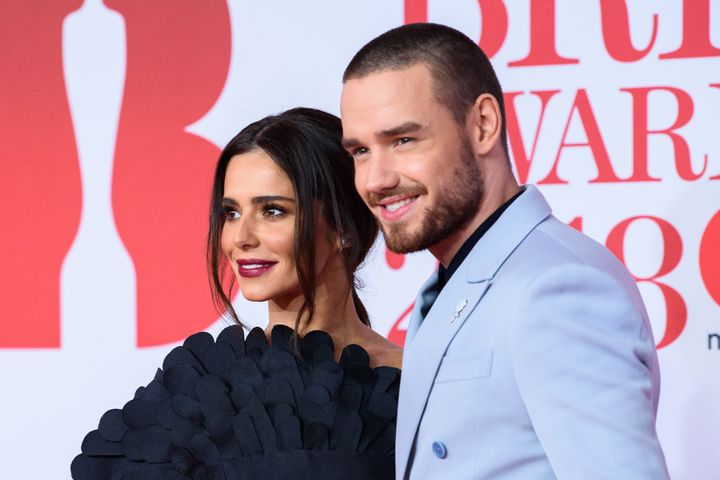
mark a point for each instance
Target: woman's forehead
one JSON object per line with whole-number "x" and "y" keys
{"x": 254, "y": 173}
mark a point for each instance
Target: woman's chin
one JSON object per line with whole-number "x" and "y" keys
{"x": 252, "y": 296}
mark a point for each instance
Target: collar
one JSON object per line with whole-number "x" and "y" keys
{"x": 519, "y": 219}
{"x": 444, "y": 274}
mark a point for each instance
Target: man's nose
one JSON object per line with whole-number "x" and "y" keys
{"x": 381, "y": 173}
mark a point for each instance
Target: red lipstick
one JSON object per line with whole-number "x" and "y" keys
{"x": 253, "y": 267}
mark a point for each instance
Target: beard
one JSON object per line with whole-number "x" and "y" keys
{"x": 454, "y": 208}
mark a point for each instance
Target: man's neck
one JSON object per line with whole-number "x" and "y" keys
{"x": 446, "y": 250}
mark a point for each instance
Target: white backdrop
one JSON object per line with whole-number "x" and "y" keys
{"x": 619, "y": 132}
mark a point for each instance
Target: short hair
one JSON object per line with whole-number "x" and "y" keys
{"x": 459, "y": 68}
{"x": 306, "y": 144}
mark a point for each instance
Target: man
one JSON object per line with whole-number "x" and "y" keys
{"x": 529, "y": 354}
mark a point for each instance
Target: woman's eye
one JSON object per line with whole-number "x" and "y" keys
{"x": 273, "y": 211}
{"x": 231, "y": 214}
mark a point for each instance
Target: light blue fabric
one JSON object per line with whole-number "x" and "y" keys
{"x": 548, "y": 371}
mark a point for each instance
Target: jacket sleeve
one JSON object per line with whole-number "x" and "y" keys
{"x": 586, "y": 367}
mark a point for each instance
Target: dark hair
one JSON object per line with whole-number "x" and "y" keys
{"x": 306, "y": 144}
{"x": 460, "y": 69}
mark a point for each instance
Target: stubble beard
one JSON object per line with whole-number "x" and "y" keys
{"x": 455, "y": 207}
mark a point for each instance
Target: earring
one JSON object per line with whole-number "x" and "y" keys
{"x": 344, "y": 243}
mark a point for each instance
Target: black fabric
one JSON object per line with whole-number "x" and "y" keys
{"x": 240, "y": 409}
{"x": 444, "y": 274}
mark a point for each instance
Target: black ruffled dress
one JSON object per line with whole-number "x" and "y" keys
{"x": 237, "y": 408}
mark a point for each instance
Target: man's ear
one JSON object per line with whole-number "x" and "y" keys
{"x": 485, "y": 123}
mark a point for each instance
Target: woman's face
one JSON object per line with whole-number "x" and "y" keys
{"x": 258, "y": 234}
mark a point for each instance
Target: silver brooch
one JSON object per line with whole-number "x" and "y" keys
{"x": 458, "y": 310}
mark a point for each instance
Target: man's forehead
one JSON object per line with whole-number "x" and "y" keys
{"x": 384, "y": 93}
{"x": 417, "y": 74}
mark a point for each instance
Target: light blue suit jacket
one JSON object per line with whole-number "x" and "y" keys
{"x": 536, "y": 361}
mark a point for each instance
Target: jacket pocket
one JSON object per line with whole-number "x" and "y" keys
{"x": 456, "y": 368}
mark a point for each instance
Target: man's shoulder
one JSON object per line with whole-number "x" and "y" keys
{"x": 553, "y": 244}
{"x": 564, "y": 240}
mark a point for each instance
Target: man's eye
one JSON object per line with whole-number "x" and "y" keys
{"x": 403, "y": 140}
{"x": 359, "y": 151}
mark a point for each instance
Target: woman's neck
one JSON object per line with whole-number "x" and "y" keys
{"x": 335, "y": 312}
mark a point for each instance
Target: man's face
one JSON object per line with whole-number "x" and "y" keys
{"x": 414, "y": 165}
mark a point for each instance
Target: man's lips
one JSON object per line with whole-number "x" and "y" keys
{"x": 393, "y": 208}
{"x": 253, "y": 267}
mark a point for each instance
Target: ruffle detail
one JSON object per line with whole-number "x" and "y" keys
{"x": 239, "y": 408}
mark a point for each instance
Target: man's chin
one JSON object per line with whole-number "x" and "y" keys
{"x": 399, "y": 248}
{"x": 401, "y": 241}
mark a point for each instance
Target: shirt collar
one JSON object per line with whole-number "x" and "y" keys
{"x": 444, "y": 274}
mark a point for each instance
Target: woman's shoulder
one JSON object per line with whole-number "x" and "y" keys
{"x": 384, "y": 353}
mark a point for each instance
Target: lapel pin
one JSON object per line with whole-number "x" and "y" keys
{"x": 458, "y": 310}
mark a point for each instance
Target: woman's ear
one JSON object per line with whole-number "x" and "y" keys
{"x": 485, "y": 123}
{"x": 342, "y": 242}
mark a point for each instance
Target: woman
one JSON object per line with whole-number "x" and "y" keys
{"x": 312, "y": 396}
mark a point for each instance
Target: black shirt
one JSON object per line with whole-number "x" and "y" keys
{"x": 444, "y": 274}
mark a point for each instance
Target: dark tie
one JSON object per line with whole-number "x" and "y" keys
{"x": 429, "y": 295}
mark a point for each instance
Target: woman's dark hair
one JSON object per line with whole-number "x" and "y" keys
{"x": 306, "y": 144}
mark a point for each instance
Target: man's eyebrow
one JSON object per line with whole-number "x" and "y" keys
{"x": 349, "y": 143}
{"x": 402, "y": 129}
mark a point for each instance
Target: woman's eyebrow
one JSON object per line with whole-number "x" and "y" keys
{"x": 271, "y": 198}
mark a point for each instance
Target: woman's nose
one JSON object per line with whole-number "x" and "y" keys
{"x": 244, "y": 234}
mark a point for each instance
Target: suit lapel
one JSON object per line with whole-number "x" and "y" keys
{"x": 425, "y": 352}
{"x": 428, "y": 339}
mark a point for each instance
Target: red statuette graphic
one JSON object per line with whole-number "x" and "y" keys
{"x": 675, "y": 308}
{"x": 178, "y": 55}
{"x": 39, "y": 171}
